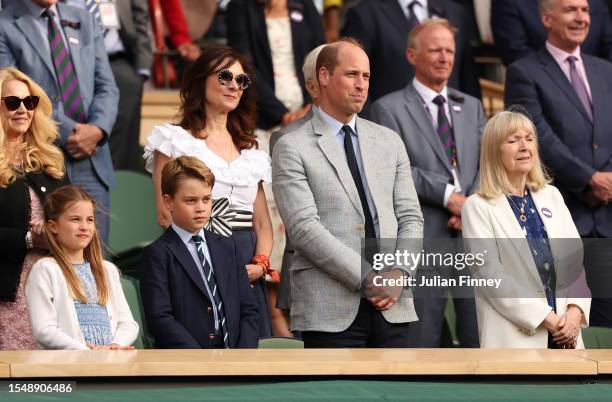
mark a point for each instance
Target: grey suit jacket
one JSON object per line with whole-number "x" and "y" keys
{"x": 318, "y": 201}
{"x": 134, "y": 32}
{"x": 21, "y": 46}
{"x": 403, "y": 111}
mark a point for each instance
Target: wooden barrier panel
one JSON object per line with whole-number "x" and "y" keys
{"x": 603, "y": 357}
{"x": 5, "y": 371}
{"x": 307, "y": 362}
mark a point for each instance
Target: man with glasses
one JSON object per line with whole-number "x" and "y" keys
{"x": 62, "y": 49}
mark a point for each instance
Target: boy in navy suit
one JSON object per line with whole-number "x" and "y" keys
{"x": 194, "y": 292}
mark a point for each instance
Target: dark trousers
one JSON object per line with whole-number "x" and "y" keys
{"x": 368, "y": 330}
{"x": 123, "y": 142}
{"x": 598, "y": 269}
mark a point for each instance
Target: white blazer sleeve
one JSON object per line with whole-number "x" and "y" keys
{"x": 42, "y": 289}
{"x": 127, "y": 328}
{"x": 526, "y": 313}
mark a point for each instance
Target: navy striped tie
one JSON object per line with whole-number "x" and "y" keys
{"x": 64, "y": 70}
{"x": 92, "y": 7}
{"x": 209, "y": 276}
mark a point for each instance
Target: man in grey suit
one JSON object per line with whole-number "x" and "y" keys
{"x": 441, "y": 128}
{"x": 337, "y": 180}
{"x": 40, "y": 37}
{"x": 309, "y": 69}
{"x": 126, "y": 25}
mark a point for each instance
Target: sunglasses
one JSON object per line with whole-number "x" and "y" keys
{"x": 13, "y": 102}
{"x": 226, "y": 76}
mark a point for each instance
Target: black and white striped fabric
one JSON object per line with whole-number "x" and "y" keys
{"x": 223, "y": 220}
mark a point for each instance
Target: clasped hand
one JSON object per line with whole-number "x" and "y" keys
{"x": 83, "y": 141}
{"x": 380, "y": 293}
{"x": 566, "y": 328}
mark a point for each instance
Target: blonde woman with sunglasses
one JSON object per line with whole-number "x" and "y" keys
{"x": 31, "y": 167}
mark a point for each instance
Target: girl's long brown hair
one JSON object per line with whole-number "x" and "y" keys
{"x": 56, "y": 204}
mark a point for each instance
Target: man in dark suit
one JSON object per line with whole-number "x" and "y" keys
{"x": 382, "y": 26}
{"x": 62, "y": 48}
{"x": 567, "y": 94}
{"x": 518, "y": 30}
{"x": 128, "y": 44}
{"x": 195, "y": 293}
{"x": 441, "y": 128}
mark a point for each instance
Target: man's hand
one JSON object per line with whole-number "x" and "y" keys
{"x": 454, "y": 223}
{"x": 455, "y": 203}
{"x": 290, "y": 117}
{"x": 385, "y": 296}
{"x": 189, "y": 51}
{"x": 83, "y": 141}
{"x": 601, "y": 188}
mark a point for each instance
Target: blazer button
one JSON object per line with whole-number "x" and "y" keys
{"x": 43, "y": 189}
{"x": 211, "y": 336}
{"x": 595, "y": 146}
{"x": 360, "y": 227}
{"x": 252, "y": 286}
{"x": 209, "y": 310}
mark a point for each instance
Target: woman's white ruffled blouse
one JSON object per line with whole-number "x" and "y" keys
{"x": 238, "y": 181}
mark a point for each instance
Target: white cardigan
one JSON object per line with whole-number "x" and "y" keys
{"x": 515, "y": 321}
{"x": 54, "y": 319}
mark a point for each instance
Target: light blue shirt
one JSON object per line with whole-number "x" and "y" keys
{"x": 336, "y": 127}
{"x": 186, "y": 238}
{"x": 42, "y": 24}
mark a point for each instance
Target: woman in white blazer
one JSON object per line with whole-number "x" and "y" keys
{"x": 531, "y": 244}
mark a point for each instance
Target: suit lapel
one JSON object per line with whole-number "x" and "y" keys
{"x": 436, "y": 9}
{"x": 27, "y": 25}
{"x": 550, "y": 66}
{"x": 417, "y": 111}
{"x": 330, "y": 148}
{"x": 368, "y": 148}
{"x": 182, "y": 254}
{"x": 260, "y": 31}
{"x": 395, "y": 15}
{"x": 599, "y": 86}
{"x": 219, "y": 263}
{"x": 515, "y": 235}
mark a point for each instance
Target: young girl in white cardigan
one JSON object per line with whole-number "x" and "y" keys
{"x": 75, "y": 297}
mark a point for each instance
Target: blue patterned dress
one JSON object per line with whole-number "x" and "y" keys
{"x": 93, "y": 318}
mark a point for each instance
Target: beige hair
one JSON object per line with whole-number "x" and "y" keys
{"x": 309, "y": 68}
{"x": 493, "y": 177}
{"x": 39, "y": 152}
{"x": 181, "y": 168}
{"x": 413, "y": 36}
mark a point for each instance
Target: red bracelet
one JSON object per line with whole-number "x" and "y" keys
{"x": 262, "y": 260}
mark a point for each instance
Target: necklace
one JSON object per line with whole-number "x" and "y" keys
{"x": 522, "y": 216}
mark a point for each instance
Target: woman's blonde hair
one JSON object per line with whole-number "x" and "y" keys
{"x": 39, "y": 152}
{"x": 493, "y": 177}
{"x": 56, "y": 204}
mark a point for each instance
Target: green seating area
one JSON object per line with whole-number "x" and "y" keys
{"x": 133, "y": 222}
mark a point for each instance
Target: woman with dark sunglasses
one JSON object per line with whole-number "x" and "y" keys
{"x": 31, "y": 167}
{"x": 217, "y": 121}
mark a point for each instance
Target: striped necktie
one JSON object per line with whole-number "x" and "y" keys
{"x": 209, "y": 277}
{"x": 445, "y": 132}
{"x": 65, "y": 73}
{"x": 92, "y": 7}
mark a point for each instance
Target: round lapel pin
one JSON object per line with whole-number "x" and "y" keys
{"x": 546, "y": 212}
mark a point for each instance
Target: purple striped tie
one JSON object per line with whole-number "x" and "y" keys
{"x": 445, "y": 131}
{"x": 64, "y": 70}
{"x": 580, "y": 87}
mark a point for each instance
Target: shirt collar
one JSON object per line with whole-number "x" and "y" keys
{"x": 404, "y": 4}
{"x": 185, "y": 235}
{"x": 335, "y": 125}
{"x": 560, "y": 55}
{"x": 37, "y": 10}
{"x": 428, "y": 94}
